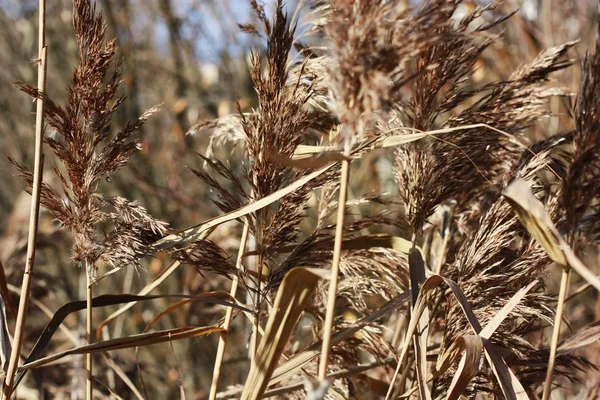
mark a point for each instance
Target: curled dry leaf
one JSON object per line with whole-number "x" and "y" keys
{"x": 510, "y": 385}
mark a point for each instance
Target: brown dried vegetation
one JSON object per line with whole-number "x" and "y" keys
{"x": 396, "y": 92}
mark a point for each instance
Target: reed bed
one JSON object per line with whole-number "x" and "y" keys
{"x": 400, "y": 211}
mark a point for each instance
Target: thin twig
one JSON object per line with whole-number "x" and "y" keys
{"x": 564, "y": 288}
{"x": 35, "y": 207}
{"x": 228, "y": 315}
{"x": 335, "y": 266}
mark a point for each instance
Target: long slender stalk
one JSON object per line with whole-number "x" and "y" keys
{"x": 228, "y": 314}
{"x": 335, "y": 267}
{"x": 35, "y": 207}
{"x": 89, "y": 386}
{"x": 562, "y": 295}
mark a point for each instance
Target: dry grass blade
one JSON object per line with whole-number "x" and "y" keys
{"x": 295, "y": 290}
{"x": 121, "y": 374}
{"x": 194, "y": 233}
{"x": 4, "y": 292}
{"x": 143, "y": 339}
{"x": 538, "y": 223}
{"x": 583, "y": 337}
{"x": 510, "y": 385}
{"x": 364, "y": 242}
{"x": 102, "y": 301}
{"x": 416, "y": 266}
{"x": 5, "y": 339}
{"x": 536, "y": 220}
{"x": 233, "y": 394}
{"x": 307, "y": 161}
{"x": 295, "y": 363}
{"x": 387, "y": 141}
{"x": 468, "y": 366}
{"x": 147, "y": 289}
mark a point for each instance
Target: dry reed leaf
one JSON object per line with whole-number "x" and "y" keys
{"x": 303, "y": 151}
{"x": 194, "y": 233}
{"x": 365, "y": 242}
{"x": 103, "y": 301}
{"x": 5, "y": 338}
{"x": 299, "y": 360}
{"x": 108, "y": 389}
{"x": 538, "y": 223}
{"x": 416, "y": 266}
{"x": 145, "y": 290}
{"x": 296, "y": 288}
{"x": 121, "y": 374}
{"x": 468, "y": 366}
{"x": 533, "y": 216}
{"x": 510, "y": 385}
{"x": 583, "y": 337}
{"x": 307, "y": 161}
{"x": 143, "y": 339}
{"x": 4, "y": 292}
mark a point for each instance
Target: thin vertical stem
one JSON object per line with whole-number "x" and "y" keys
{"x": 35, "y": 207}
{"x": 335, "y": 267}
{"x": 89, "y": 387}
{"x": 228, "y": 314}
{"x": 562, "y": 295}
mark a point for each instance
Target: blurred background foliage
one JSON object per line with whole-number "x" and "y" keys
{"x": 191, "y": 56}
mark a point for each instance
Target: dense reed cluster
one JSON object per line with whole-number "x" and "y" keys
{"x": 445, "y": 289}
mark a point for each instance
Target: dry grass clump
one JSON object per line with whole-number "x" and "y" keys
{"x": 440, "y": 288}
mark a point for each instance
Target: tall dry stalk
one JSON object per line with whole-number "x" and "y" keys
{"x": 335, "y": 270}
{"x": 228, "y": 314}
{"x": 35, "y": 206}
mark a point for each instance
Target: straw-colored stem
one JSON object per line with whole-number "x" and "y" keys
{"x": 228, "y": 315}
{"x": 89, "y": 387}
{"x": 34, "y": 210}
{"x": 562, "y": 295}
{"x": 335, "y": 266}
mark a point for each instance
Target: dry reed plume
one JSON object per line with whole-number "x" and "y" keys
{"x": 398, "y": 218}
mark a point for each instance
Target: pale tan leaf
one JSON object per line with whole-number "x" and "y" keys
{"x": 510, "y": 385}
{"x": 536, "y": 220}
{"x": 583, "y": 337}
{"x": 295, "y": 289}
{"x": 145, "y": 290}
{"x": 197, "y": 232}
{"x": 298, "y": 361}
{"x": 533, "y": 216}
{"x": 310, "y": 161}
{"x": 143, "y": 339}
{"x": 468, "y": 366}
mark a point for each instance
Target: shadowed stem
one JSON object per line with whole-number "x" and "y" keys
{"x": 34, "y": 210}
{"x": 562, "y": 295}
{"x": 228, "y": 315}
{"x": 335, "y": 267}
{"x": 89, "y": 387}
